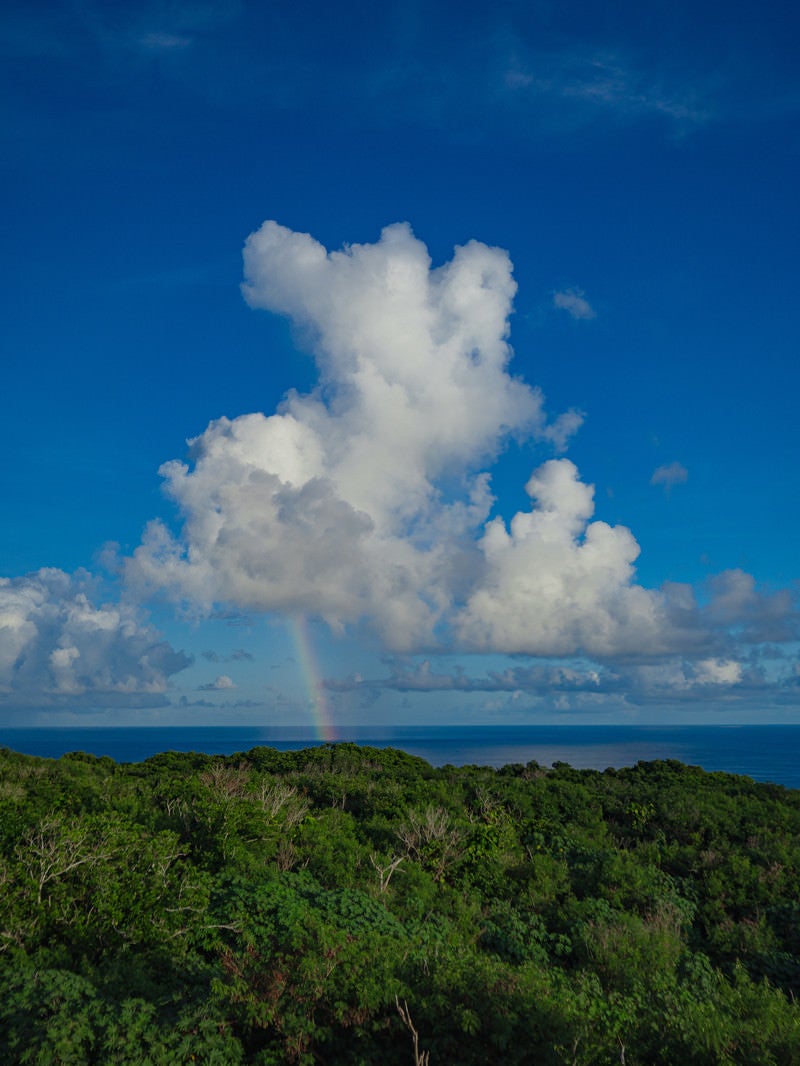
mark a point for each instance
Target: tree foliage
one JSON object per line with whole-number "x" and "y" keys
{"x": 356, "y": 905}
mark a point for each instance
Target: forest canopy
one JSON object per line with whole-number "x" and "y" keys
{"x": 353, "y": 905}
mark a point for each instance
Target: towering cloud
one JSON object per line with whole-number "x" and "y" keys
{"x": 359, "y": 500}
{"x": 368, "y": 499}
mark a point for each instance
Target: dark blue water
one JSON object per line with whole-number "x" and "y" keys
{"x": 765, "y": 753}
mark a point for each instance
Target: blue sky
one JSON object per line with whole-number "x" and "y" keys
{"x": 588, "y": 278}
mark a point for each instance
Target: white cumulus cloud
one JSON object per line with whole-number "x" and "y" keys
{"x": 219, "y": 684}
{"x": 367, "y": 501}
{"x": 359, "y": 500}
{"x": 718, "y": 672}
{"x": 57, "y": 644}
{"x": 555, "y": 583}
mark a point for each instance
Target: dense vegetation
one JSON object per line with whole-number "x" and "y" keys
{"x": 337, "y": 904}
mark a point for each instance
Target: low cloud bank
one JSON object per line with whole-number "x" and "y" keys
{"x": 755, "y": 679}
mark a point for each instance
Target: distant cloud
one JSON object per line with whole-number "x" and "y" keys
{"x": 759, "y": 616}
{"x": 669, "y": 475}
{"x": 57, "y": 646}
{"x": 423, "y": 678}
{"x": 574, "y": 302}
{"x": 236, "y": 656}
{"x": 219, "y": 684}
{"x": 580, "y": 684}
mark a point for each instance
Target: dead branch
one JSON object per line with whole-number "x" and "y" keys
{"x": 421, "y": 1058}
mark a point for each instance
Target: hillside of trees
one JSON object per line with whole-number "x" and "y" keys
{"x": 349, "y": 905}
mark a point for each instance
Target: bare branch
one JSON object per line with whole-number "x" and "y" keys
{"x": 421, "y": 1058}
{"x": 385, "y": 872}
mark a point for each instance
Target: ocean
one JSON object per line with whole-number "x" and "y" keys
{"x": 763, "y": 752}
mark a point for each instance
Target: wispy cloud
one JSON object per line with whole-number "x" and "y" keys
{"x": 613, "y": 83}
{"x": 115, "y": 29}
{"x": 156, "y": 41}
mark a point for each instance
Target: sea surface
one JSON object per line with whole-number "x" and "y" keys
{"x": 763, "y": 752}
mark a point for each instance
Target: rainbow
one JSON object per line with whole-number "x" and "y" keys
{"x": 312, "y": 678}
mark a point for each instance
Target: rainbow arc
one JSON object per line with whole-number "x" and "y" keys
{"x": 312, "y": 678}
